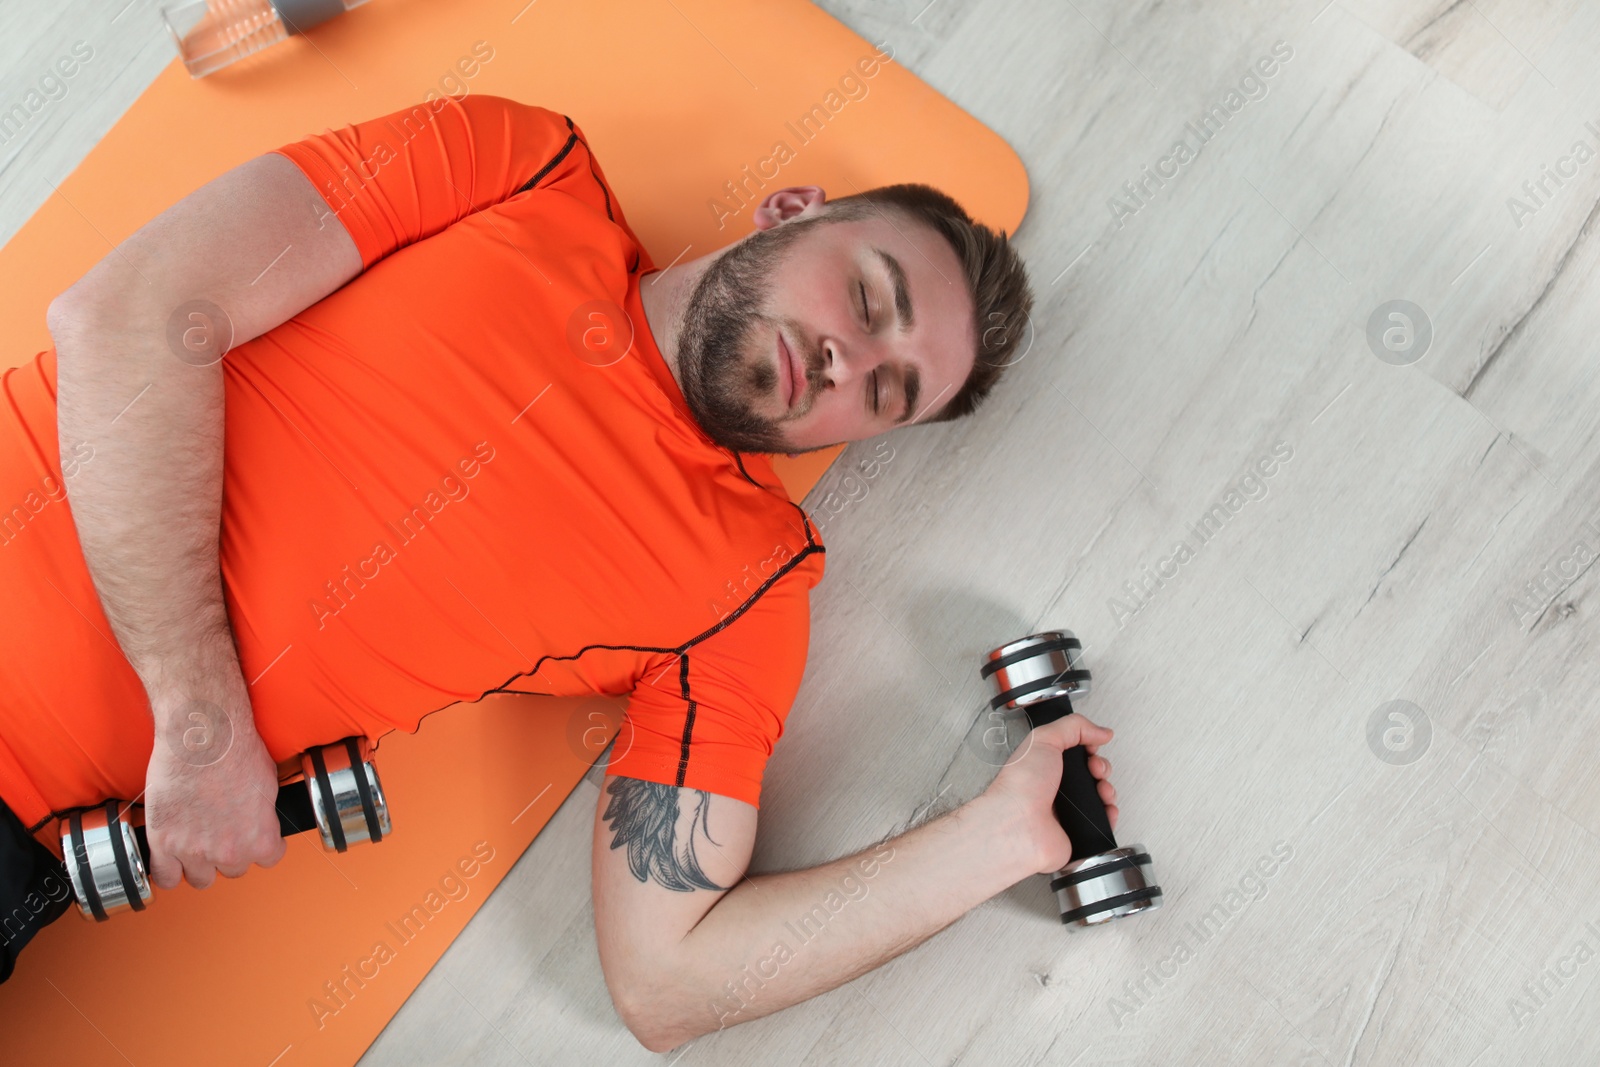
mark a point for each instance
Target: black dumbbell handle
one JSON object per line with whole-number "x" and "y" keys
{"x": 294, "y": 815}
{"x": 1078, "y": 807}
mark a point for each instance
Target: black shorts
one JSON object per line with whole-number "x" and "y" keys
{"x": 34, "y": 889}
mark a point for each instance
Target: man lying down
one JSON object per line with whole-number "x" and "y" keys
{"x": 477, "y": 441}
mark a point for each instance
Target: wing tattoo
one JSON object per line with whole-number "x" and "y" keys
{"x": 644, "y": 816}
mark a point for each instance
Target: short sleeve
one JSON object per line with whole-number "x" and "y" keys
{"x": 709, "y": 717}
{"x": 399, "y": 178}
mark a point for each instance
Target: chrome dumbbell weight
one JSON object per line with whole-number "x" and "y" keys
{"x": 108, "y": 857}
{"x": 1039, "y": 674}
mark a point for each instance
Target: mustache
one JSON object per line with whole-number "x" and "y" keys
{"x": 809, "y": 356}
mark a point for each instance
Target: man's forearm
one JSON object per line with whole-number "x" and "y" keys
{"x": 778, "y": 939}
{"x": 147, "y": 510}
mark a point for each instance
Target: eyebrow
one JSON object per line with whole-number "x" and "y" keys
{"x": 902, "y": 290}
{"x": 906, "y": 319}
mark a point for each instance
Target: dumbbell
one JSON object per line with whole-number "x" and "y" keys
{"x": 1040, "y": 674}
{"x": 108, "y": 858}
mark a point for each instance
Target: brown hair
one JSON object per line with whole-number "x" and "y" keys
{"x": 997, "y": 281}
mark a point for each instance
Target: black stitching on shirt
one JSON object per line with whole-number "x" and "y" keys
{"x": 688, "y": 721}
{"x": 548, "y": 167}
{"x": 681, "y": 651}
{"x": 596, "y": 177}
{"x": 740, "y": 461}
{"x": 678, "y": 650}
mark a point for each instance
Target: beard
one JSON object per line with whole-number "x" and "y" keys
{"x": 721, "y": 325}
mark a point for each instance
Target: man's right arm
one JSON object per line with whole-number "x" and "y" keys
{"x": 138, "y": 381}
{"x": 138, "y": 342}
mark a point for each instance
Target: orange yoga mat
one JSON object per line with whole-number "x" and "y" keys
{"x": 686, "y": 102}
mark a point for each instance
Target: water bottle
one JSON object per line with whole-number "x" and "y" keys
{"x": 210, "y": 34}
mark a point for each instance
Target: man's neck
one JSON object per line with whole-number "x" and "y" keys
{"x": 664, "y": 294}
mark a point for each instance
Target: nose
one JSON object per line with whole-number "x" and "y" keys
{"x": 841, "y": 369}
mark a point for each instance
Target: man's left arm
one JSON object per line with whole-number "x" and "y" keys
{"x": 690, "y": 943}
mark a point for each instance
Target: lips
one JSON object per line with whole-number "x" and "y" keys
{"x": 792, "y": 368}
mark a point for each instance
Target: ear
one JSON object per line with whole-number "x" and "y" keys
{"x": 787, "y": 203}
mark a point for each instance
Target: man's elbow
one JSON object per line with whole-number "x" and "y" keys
{"x": 69, "y": 314}
{"x": 60, "y": 311}
{"x": 650, "y": 1019}
{"x": 653, "y": 1042}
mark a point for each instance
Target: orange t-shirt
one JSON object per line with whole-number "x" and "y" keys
{"x": 456, "y": 475}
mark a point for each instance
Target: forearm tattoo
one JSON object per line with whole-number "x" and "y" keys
{"x": 644, "y": 816}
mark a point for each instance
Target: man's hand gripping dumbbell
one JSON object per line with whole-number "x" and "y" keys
{"x": 1096, "y": 881}
{"x": 108, "y": 856}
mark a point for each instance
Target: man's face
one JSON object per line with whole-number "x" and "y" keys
{"x": 788, "y": 301}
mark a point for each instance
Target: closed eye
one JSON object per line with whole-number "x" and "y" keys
{"x": 872, "y": 379}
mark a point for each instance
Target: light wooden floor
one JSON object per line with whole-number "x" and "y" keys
{"x": 1428, "y": 540}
